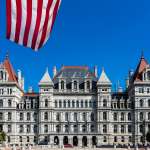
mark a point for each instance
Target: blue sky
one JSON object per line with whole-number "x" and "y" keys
{"x": 106, "y": 33}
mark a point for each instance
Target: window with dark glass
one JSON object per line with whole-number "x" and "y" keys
{"x": 129, "y": 128}
{"x": 1, "y": 116}
{"x": 62, "y": 85}
{"x": 115, "y": 128}
{"x": 84, "y": 116}
{"x": 73, "y": 104}
{"x": 9, "y": 128}
{"x": 141, "y": 103}
{"x": 28, "y": 116}
{"x": 1, "y": 103}
{"x": 9, "y": 116}
{"x": 55, "y": 104}
{"x": 104, "y": 103}
{"x": 60, "y": 104}
{"x": 129, "y": 116}
{"x": 104, "y": 128}
{"x": 141, "y": 116}
{"x": 88, "y": 85}
{"x": 122, "y": 129}
{"x": 122, "y": 116}
{"x": 66, "y": 116}
{"x": 105, "y": 116}
{"x": 81, "y": 104}
{"x": 75, "y": 85}
{"x": 9, "y": 103}
{"x": 115, "y": 116}
{"x": 46, "y": 102}
{"x": 45, "y": 128}
{"x": 46, "y": 116}
{"x": 64, "y": 104}
{"x": 28, "y": 128}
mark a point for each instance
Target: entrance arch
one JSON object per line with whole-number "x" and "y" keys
{"x": 65, "y": 140}
{"x": 56, "y": 140}
{"x": 75, "y": 141}
{"x": 84, "y": 141}
{"x": 94, "y": 140}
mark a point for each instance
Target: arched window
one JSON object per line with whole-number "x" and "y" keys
{"x": 46, "y": 102}
{"x": 115, "y": 128}
{"x": 122, "y": 129}
{"x": 104, "y": 103}
{"x": 68, "y": 104}
{"x": 141, "y": 103}
{"x": 122, "y": 139}
{"x": 104, "y": 128}
{"x": 84, "y": 128}
{"x": 45, "y": 128}
{"x": 149, "y": 116}
{"x": 55, "y": 104}
{"x": 1, "y": 74}
{"x": 28, "y": 139}
{"x": 141, "y": 128}
{"x": 28, "y": 116}
{"x": 58, "y": 116}
{"x": 9, "y": 103}
{"x": 1, "y": 103}
{"x": 75, "y": 85}
{"x": 104, "y": 115}
{"x": 90, "y": 104}
{"x": 149, "y": 103}
{"x": 129, "y": 116}
{"x": 73, "y": 104}
{"x": 88, "y": 85}
{"x": 64, "y": 104}
{"x": 62, "y": 85}
{"x": 75, "y": 116}
{"x": 84, "y": 116}
{"x": 92, "y": 128}
{"x": 66, "y": 128}
{"x": 58, "y": 129}
{"x": 66, "y": 116}
{"x": 77, "y": 104}
{"x": 60, "y": 104}
{"x": 122, "y": 116}
{"x": 46, "y": 116}
{"x": 75, "y": 128}
{"x": 141, "y": 116}
{"x": 115, "y": 116}
{"x": 92, "y": 116}
{"x": 86, "y": 104}
{"x": 81, "y": 103}
{"x": 148, "y": 75}
{"x": 115, "y": 139}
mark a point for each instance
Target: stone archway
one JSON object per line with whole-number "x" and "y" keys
{"x": 65, "y": 140}
{"x": 84, "y": 141}
{"x": 94, "y": 140}
{"x": 75, "y": 141}
{"x": 56, "y": 140}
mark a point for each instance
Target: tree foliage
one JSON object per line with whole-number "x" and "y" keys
{"x": 2, "y": 136}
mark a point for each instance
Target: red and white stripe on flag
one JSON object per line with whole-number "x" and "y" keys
{"x": 29, "y": 22}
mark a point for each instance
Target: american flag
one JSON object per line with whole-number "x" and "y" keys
{"x": 29, "y": 22}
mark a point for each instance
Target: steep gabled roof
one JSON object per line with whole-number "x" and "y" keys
{"x": 139, "y": 70}
{"x": 46, "y": 79}
{"x": 10, "y": 70}
{"x": 104, "y": 79}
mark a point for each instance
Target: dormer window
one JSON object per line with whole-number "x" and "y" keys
{"x": 75, "y": 85}
{"x": 62, "y": 85}
{"x": 88, "y": 85}
{"x": 148, "y": 75}
{"x": 3, "y": 75}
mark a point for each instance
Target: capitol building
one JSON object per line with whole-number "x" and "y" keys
{"x": 75, "y": 107}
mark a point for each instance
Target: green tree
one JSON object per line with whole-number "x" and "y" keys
{"x": 2, "y": 136}
{"x": 148, "y": 136}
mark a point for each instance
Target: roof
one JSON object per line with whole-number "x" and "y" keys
{"x": 31, "y": 94}
{"x": 10, "y": 70}
{"x": 137, "y": 76}
{"x": 103, "y": 79}
{"x": 46, "y": 79}
{"x": 75, "y": 72}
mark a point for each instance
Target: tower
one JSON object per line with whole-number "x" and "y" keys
{"x": 45, "y": 108}
{"x": 104, "y": 108}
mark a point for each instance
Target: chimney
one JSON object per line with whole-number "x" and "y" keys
{"x": 120, "y": 90}
{"x": 22, "y": 83}
{"x": 127, "y": 82}
{"x": 19, "y": 78}
{"x": 131, "y": 72}
{"x": 95, "y": 71}
{"x": 54, "y": 71}
{"x": 30, "y": 90}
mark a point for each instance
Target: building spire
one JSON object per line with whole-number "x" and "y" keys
{"x": 142, "y": 53}
{"x": 7, "y": 55}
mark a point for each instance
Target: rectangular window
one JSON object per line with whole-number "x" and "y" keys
{"x": 21, "y": 116}
{"x": 9, "y": 128}
{"x": 9, "y": 116}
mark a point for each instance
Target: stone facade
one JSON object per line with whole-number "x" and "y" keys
{"x": 76, "y": 107}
